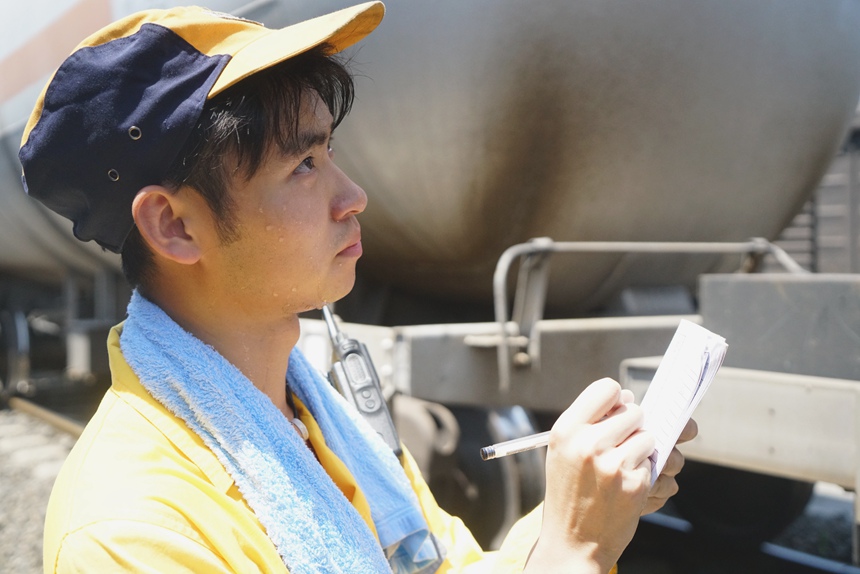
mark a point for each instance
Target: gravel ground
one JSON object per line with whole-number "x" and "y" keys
{"x": 31, "y": 454}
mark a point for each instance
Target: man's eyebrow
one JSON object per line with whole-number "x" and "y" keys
{"x": 308, "y": 139}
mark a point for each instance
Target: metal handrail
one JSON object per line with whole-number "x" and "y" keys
{"x": 546, "y": 245}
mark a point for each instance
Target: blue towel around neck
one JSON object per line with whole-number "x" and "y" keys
{"x": 311, "y": 523}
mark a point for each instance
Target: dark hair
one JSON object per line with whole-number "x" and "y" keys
{"x": 237, "y": 130}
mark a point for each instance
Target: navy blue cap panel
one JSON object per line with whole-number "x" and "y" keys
{"x": 112, "y": 123}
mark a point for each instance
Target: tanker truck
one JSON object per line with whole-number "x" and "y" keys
{"x": 649, "y": 153}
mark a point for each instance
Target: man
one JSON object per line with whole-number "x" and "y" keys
{"x": 199, "y": 146}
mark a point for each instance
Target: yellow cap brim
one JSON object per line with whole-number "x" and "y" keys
{"x": 340, "y": 29}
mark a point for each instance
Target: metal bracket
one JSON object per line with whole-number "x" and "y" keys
{"x": 530, "y": 300}
{"x": 520, "y": 334}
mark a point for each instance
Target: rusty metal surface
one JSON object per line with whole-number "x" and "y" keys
{"x": 482, "y": 124}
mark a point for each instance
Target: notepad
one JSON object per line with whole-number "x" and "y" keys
{"x": 691, "y": 361}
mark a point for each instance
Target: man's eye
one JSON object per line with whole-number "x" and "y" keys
{"x": 306, "y": 165}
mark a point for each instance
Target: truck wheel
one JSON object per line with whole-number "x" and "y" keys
{"x": 488, "y": 496}
{"x": 738, "y": 507}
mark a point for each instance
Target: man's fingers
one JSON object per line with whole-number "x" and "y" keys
{"x": 634, "y": 451}
{"x": 626, "y": 396}
{"x": 690, "y": 432}
{"x": 664, "y": 488}
{"x": 598, "y": 399}
{"x": 618, "y": 426}
{"x": 643, "y": 469}
{"x": 674, "y": 463}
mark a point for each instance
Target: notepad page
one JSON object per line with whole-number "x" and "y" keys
{"x": 692, "y": 359}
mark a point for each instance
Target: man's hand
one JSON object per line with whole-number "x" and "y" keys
{"x": 598, "y": 482}
{"x": 665, "y": 485}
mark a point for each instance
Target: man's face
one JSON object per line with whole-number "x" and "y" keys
{"x": 297, "y": 235}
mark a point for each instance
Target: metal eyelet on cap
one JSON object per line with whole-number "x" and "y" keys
{"x": 113, "y": 175}
{"x": 134, "y": 133}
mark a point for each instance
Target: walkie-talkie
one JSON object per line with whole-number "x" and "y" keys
{"x": 353, "y": 375}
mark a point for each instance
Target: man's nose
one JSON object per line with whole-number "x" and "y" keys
{"x": 351, "y": 199}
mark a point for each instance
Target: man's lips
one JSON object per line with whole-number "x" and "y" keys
{"x": 352, "y": 250}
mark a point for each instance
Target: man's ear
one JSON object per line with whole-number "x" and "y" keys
{"x": 169, "y": 223}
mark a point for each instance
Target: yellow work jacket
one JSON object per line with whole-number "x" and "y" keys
{"x": 140, "y": 492}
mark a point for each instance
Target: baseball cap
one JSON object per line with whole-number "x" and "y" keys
{"x": 118, "y": 110}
